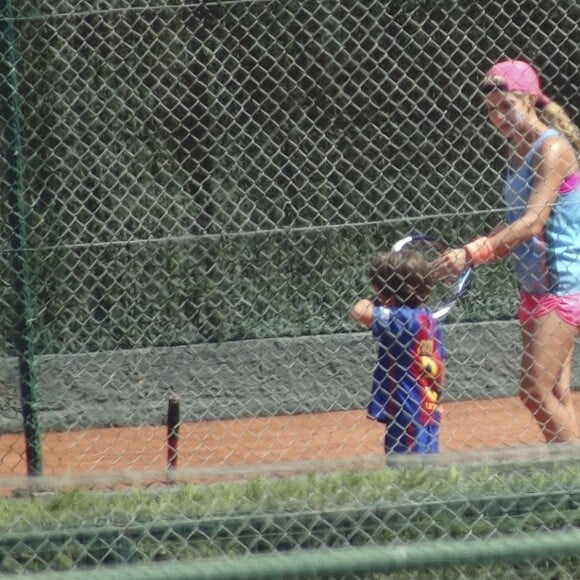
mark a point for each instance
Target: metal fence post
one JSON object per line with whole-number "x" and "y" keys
{"x": 24, "y": 343}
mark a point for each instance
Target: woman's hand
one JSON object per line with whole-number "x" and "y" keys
{"x": 450, "y": 264}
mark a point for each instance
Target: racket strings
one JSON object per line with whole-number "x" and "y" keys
{"x": 444, "y": 293}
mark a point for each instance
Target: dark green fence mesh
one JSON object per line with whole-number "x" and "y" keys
{"x": 192, "y": 192}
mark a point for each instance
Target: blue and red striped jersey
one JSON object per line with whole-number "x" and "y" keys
{"x": 399, "y": 384}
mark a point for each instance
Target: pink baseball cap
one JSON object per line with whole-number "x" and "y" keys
{"x": 517, "y": 76}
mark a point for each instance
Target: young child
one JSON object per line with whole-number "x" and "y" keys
{"x": 409, "y": 372}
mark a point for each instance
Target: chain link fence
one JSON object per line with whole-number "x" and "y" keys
{"x": 192, "y": 195}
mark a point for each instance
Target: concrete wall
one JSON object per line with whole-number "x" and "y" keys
{"x": 261, "y": 377}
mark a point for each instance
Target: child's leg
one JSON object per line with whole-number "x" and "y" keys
{"x": 396, "y": 438}
{"x": 412, "y": 438}
{"x": 427, "y": 439}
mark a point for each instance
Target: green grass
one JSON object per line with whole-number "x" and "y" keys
{"x": 314, "y": 492}
{"x": 81, "y": 528}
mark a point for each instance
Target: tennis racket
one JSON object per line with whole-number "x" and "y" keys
{"x": 445, "y": 294}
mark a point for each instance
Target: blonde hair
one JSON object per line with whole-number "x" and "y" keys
{"x": 555, "y": 116}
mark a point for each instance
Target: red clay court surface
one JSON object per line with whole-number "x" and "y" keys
{"x": 467, "y": 426}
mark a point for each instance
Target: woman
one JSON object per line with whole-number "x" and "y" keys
{"x": 542, "y": 232}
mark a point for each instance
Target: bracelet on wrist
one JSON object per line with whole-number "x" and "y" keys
{"x": 479, "y": 251}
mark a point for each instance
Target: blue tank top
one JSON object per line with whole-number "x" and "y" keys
{"x": 548, "y": 263}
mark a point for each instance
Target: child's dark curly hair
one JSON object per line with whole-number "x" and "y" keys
{"x": 403, "y": 275}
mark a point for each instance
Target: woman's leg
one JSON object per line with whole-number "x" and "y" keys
{"x": 564, "y": 385}
{"x": 545, "y": 375}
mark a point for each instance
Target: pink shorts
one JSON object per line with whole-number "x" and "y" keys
{"x": 537, "y": 305}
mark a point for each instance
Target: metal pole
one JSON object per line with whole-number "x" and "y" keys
{"x": 413, "y": 556}
{"x": 24, "y": 343}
